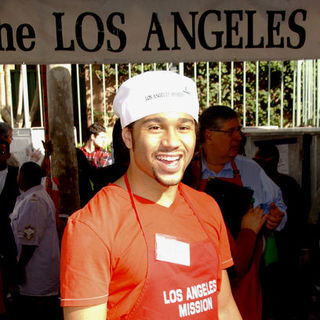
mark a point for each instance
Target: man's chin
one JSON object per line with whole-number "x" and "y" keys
{"x": 168, "y": 180}
{"x": 233, "y": 153}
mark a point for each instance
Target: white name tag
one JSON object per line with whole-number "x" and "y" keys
{"x": 171, "y": 250}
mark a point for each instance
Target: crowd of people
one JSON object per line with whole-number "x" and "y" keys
{"x": 176, "y": 223}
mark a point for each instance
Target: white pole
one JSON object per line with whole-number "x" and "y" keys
{"x": 25, "y": 96}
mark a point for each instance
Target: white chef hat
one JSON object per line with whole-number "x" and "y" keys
{"x": 155, "y": 92}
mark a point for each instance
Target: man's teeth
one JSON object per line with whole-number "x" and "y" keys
{"x": 168, "y": 158}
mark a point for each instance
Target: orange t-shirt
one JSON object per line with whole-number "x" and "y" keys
{"x": 104, "y": 254}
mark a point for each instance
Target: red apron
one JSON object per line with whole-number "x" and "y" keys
{"x": 246, "y": 290}
{"x": 174, "y": 291}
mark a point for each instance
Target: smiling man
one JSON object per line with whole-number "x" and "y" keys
{"x": 146, "y": 246}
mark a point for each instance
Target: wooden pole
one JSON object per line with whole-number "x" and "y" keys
{"x": 64, "y": 166}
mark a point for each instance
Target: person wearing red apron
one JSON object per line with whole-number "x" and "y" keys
{"x": 220, "y": 137}
{"x": 163, "y": 277}
{"x": 158, "y": 111}
{"x": 246, "y": 251}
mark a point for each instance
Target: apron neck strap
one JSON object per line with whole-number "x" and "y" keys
{"x": 134, "y": 207}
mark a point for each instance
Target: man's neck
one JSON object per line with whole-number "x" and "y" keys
{"x": 149, "y": 188}
{"x": 215, "y": 164}
{"x": 215, "y": 167}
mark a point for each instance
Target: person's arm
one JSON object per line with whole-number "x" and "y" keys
{"x": 98, "y": 312}
{"x": 274, "y": 218}
{"x": 277, "y": 216}
{"x": 25, "y": 256}
{"x": 48, "y": 149}
{"x": 227, "y": 308}
{"x": 242, "y": 248}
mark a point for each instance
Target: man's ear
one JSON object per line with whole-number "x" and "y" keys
{"x": 127, "y": 137}
{"x": 207, "y": 134}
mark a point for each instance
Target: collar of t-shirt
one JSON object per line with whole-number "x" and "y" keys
{"x": 25, "y": 194}
{"x": 3, "y": 176}
{"x": 226, "y": 172}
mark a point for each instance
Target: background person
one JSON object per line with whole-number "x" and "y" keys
{"x": 34, "y": 226}
{"x": 120, "y": 165}
{"x": 280, "y": 298}
{"x": 8, "y": 193}
{"x": 130, "y": 227}
{"x": 9, "y": 189}
{"x": 6, "y": 135}
{"x": 94, "y": 150}
{"x": 238, "y": 184}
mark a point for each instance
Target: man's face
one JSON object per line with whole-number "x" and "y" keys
{"x": 224, "y": 145}
{"x": 100, "y": 139}
{"x": 4, "y": 155}
{"x": 8, "y": 137}
{"x": 162, "y": 146}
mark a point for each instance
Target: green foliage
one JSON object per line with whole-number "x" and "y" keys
{"x": 126, "y": 70}
{"x": 232, "y": 96}
{"x": 211, "y": 71}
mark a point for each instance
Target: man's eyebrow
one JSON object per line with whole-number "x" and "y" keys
{"x": 161, "y": 119}
{"x": 183, "y": 120}
{"x": 155, "y": 119}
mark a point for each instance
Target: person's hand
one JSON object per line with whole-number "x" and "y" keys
{"x": 254, "y": 219}
{"x": 48, "y": 147}
{"x": 274, "y": 217}
{"x": 35, "y": 155}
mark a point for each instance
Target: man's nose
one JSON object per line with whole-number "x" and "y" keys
{"x": 171, "y": 138}
{"x": 237, "y": 135}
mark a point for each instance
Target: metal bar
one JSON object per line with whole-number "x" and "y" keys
{"x": 299, "y": 63}
{"x": 25, "y": 96}
{"x": 294, "y": 102}
{"x": 181, "y": 68}
{"x": 257, "y": 93}
{"x": 244, "y": 92}
{"x": 207, "y": 84}
{"x": 117, "y": 77}
{"x": 129, "y": 70}
{"x": 2, "y": 86}
{"x": 11, "y": 107}
{"x": 309, "y": 85}
{"x": 40, "y": 95}
{"x": 195, "y": 72}
{"x": 304, "y": 90}
{"x": 79, "y": 103}
{"x": 232, "y": 84}
{"x": 104, "y": 96}
{"x": 91, "y": 93}
{"x": 269, "y": 94}
{"x": 318, "y": 91}
{"x": 219, "y": 91}
{"x": 314, "y": 92}
{"x": 43, "y": 69}
{"x": 281, "y": 92}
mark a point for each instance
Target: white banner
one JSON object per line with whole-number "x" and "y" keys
{"x": 122, "y": 31}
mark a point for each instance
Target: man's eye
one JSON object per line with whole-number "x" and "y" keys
{"x": 184, "y": 128}
{"x": 154, "y": 127}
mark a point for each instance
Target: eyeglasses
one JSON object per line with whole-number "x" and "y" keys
{"x": 230, "y": 132}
